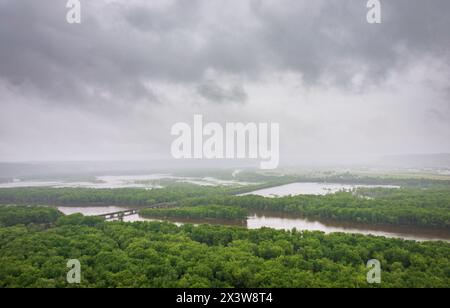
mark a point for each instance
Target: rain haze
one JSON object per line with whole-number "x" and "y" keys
{"x": 111, "y": 87}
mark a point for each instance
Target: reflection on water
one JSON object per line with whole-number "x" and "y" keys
{"x": 289, "y": 222}
{"x": 181, "y": 221}
{"x": 279, "y": 221}
{"x": 295, "y": 189}
{"x": 90, "y": 210}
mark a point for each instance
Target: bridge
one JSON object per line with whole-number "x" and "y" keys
{"x": 121, "y": 214}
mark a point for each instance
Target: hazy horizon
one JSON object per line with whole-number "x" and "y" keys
{"x": 386, "y": 164}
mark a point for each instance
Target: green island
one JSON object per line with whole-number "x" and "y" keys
{"x": 409, "y": 206}
{"x": 208, "y": 212}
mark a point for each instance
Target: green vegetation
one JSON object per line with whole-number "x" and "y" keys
{"x": 409, "y": 206}
{"x": 267, "y": 180}
{"x": 90, "y": 196}
{"x": 208, "y": 212}
{"x": 15, "y": 215}
{"x": 144, "y": 254}
{"x": 403, "y": 181}
{"x": 425, "y": 207}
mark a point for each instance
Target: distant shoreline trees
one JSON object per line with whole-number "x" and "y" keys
{"x": 207, "y": 212}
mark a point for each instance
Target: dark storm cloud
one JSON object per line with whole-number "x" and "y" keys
{"x": 120, "y": 48}
{"x": 41, "y": 54}
{"x": 333, "y": 37}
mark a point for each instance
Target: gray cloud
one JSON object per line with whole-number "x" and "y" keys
{"x": 181, "y": 40}
{"x": 215, "y": 93}
{"x": 131, "y": 63}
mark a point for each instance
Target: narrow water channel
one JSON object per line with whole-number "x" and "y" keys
{"x": 279, "y": 221}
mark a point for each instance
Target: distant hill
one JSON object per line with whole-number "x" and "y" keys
{"x": 416, "y": 161}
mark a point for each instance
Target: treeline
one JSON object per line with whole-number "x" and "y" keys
{"x": 144, "y": 254}
{"x": 208, "y": 212}
{"x": 348, "y": 178}
{"x": 417, "y": 207}
{"x": 15, "y": 215}
{"x": 343, "y": 178}
{"x": 91, "y": 196}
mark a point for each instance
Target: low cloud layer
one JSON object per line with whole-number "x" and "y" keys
{"x": 112, "y": 86}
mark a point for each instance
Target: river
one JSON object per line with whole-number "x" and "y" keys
{"x": 279, "y": 221}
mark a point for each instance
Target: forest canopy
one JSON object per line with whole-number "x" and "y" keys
{"x": 157, "y": 254}
{"x": 15, "y": 215}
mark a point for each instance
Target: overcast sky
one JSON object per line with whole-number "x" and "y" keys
{"x": 111, "y": 87}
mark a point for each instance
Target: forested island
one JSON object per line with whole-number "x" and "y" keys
{"x": 208, "y": 212}
{"x": 424, "y": 207}
{"x": 409, "y": 206}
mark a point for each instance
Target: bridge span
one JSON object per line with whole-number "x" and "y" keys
{"x": 120, "y": 214}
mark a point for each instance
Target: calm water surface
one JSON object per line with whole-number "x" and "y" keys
{"x": 279, "y": 221}
{"x": 295, "y": 189}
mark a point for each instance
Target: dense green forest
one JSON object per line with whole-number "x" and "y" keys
{"x": 426, "y": 207}
{"x": 208, "y": 212}
{"x": 14, "y": 215}
{"x": 409, "y": 206}
{"x": 153, "y": 254}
